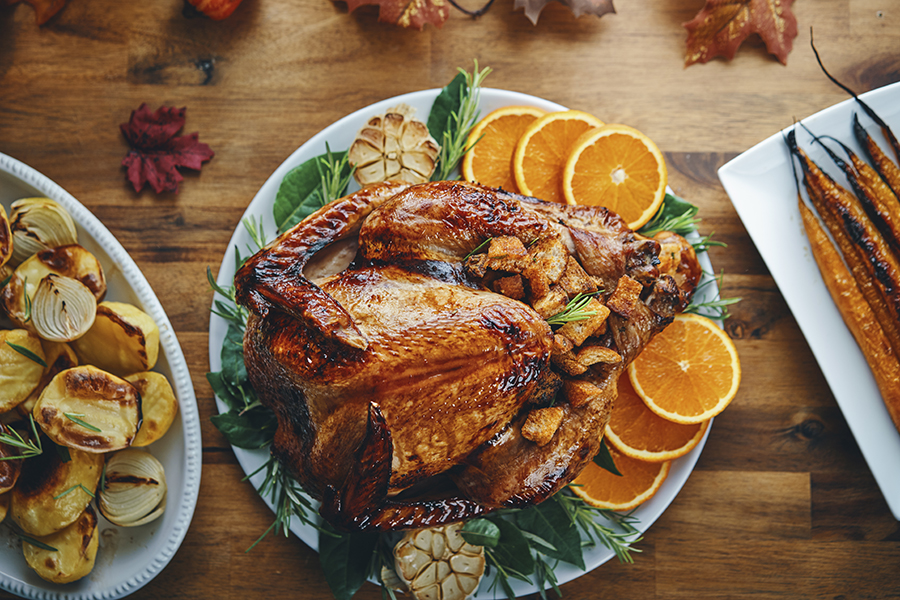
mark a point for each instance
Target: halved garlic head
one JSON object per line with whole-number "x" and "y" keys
{"x": 70, "y": 261}
{"x": 63, "y": 309}
{"x": 436, "y": 563}
{"x": 394, "y": 146}
{"x": 72, "y": 551}
{"x": 158, "y": 405}
{"x": 6, "y": 247}
{"x": 89, "y": 409}
{"x": 38, "y": 224}
{"x": 123, "y": 340}
{"x": 134, "y": 492}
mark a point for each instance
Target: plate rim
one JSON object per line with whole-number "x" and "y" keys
{"x": 730, "y": 176}
{"x": 181, "y": 381}
{"x": 315, "y": 145}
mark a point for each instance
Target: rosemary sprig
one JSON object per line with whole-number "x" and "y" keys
{"x": 453, "y": 144}
{"x": 584, "y": 516}
{"x": 682, "y": 224}
{"x": 28, "y": 303}
{"x": 27, "y": 353}
{"x": 575, "y": 310}
{"x": 331, "y": 172}
{"x": 5, "y": 281}
{"x": 717, "y": 308}
{"x": 75, "y": 487}
{"x": 34, "y": 542}
{"x": 287, "y": 496}
{"x": 254, "y": 227}
{"x": 76, "y": 418}
{"x": 29, "y": 448}
{"x": 477, "y": 249}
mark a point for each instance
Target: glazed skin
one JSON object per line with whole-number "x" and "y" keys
{"x": 401, "y": 382}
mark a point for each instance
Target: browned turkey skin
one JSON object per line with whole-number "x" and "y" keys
{"x": 402, "y": 380}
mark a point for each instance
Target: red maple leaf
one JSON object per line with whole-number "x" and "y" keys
{"x": 156, "y": 152}
{"x": 43, "y": 9}
{"x": 407, "y": 13}
{"x": 722, "y": 25}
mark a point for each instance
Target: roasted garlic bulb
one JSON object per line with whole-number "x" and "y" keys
{"x": 436, "y": 563}
{"x": 38, "y": 224}
{"x": 134, "y": 491}
{"x": 394, "y": 147}
{"x": 63, "y": 309}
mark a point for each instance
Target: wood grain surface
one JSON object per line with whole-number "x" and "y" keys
{"x": 781, "y": 504}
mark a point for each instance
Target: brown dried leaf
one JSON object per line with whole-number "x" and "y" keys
{"x": 723, "y": 25}
{"x": 533, "y": 8}
{"x": 407, "y": 13}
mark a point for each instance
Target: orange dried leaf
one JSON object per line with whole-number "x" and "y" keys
{"x": 722, "y": 26}
{"x": 407, "y": 13}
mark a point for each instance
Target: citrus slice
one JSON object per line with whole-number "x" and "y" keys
{"x": 689, "y": 372}
{"x": 542, "y": 151}
{"x": 638, "y": 432}
{"x": 640, "y": 480}
{"x": 492, "y": 144}
{"x": 618, "y": 167}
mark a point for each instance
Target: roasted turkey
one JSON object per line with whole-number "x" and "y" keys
{"x": 413, "y": 343}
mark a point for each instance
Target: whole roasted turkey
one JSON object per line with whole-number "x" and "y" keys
{"x": 414, "y": 345}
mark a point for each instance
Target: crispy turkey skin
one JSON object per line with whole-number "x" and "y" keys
{"x": 417, "y": 381}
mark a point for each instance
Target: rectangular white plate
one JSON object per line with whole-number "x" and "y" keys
{"x": 761, "y": 185}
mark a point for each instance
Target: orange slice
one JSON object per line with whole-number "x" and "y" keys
{"x": 640, "y": 480}
{"x": 689, "y": 372}
{"x": 638, "y": 432}
{"x": 489, "y": 161}
{"x": 618, "y": 167}
{"x": 542, "y": 151}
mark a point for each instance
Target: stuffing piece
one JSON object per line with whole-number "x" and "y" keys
{"x": 591, "y": 355}
{"x": 579, "y": 392}
{"x": 550, "y": 257}
{"x": 579, "y": 331}
{"x": 575, "y": 279}
{"x": 626, "y": 296}
{"x": 542, "y": 423}
{"x": 511, "y": 286}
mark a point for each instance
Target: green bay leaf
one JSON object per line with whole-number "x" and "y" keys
{"x": 345, "y": 560}
{"x": 550, "y": 522}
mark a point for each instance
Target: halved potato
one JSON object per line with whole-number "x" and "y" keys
{"x": 49, "y": 494}
{"x": 158, "y": 406}
{"x": 6, "y": 245}
{"x": 9, "y": 468}
{"x": 59, "y": 356}
{"x": 20, "y": 373}
{"x": 70, "y": 261}
{"x": 89, "y": 409}
{"x": 73, "y": 554}
{"x": 123, "y": 340}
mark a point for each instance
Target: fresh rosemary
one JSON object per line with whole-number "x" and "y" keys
{"x": 29, "y": 448}
{"x": 454, "y": 142}
{"x": 34, "y": 542}
{"x": 75, "y": 487}
{"x": 27, "y": 354}
{"x": 334, "y": 174}
{"x": 584, "y": 516}
{"x": 76, "y": 418}
{"x": 717, "y": 308}
{"x": 575, "y": 310}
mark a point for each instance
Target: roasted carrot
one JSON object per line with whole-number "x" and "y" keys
{"x": 882, "y": 163}
{"x": 856, "y": 313}
{"x": 871, "y": 261}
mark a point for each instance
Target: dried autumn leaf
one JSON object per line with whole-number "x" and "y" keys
{"x": 407, "y": 13}
{"x": 156, "y": 152}
{"x": 533, "y": 8}
{"x": 43, "y": 9}
{"x": 722, "y": 26}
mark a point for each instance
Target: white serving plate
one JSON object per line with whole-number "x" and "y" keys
{"x": 339, "y": 136}
{"x": 128, "y": 558}
{"x": 761, "y": 185}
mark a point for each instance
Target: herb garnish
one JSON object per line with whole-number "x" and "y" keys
{"x": 34, "y": 542}
{"x": 29, "y": 448}
{"x": 27, "y": 353}
{"x": 75, "y": 487}
{"x": 575, "y": 310}
{"x": 453, "y": 116}
{"x": 76, "y": 418}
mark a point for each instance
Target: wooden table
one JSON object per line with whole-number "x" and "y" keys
{"x": 781, "y": 504}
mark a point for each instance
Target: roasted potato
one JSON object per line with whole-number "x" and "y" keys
{"x": 123, "y": 340}
{"x": 51, "y": 493}
{"x": 158, "y": 406}
{"x": 70, "y": 261}
{"x": 19, "y": 372}
{"x": 89, "y": 409}
{"x": 9, "y": 468}
{"x": 59, "y": 357}
{"x": 4, "y": 506}
{"x": 6, "y": 246}
{"x": 74, "y": 550}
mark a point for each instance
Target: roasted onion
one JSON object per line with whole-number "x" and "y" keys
{"x": 63, "y": 309}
